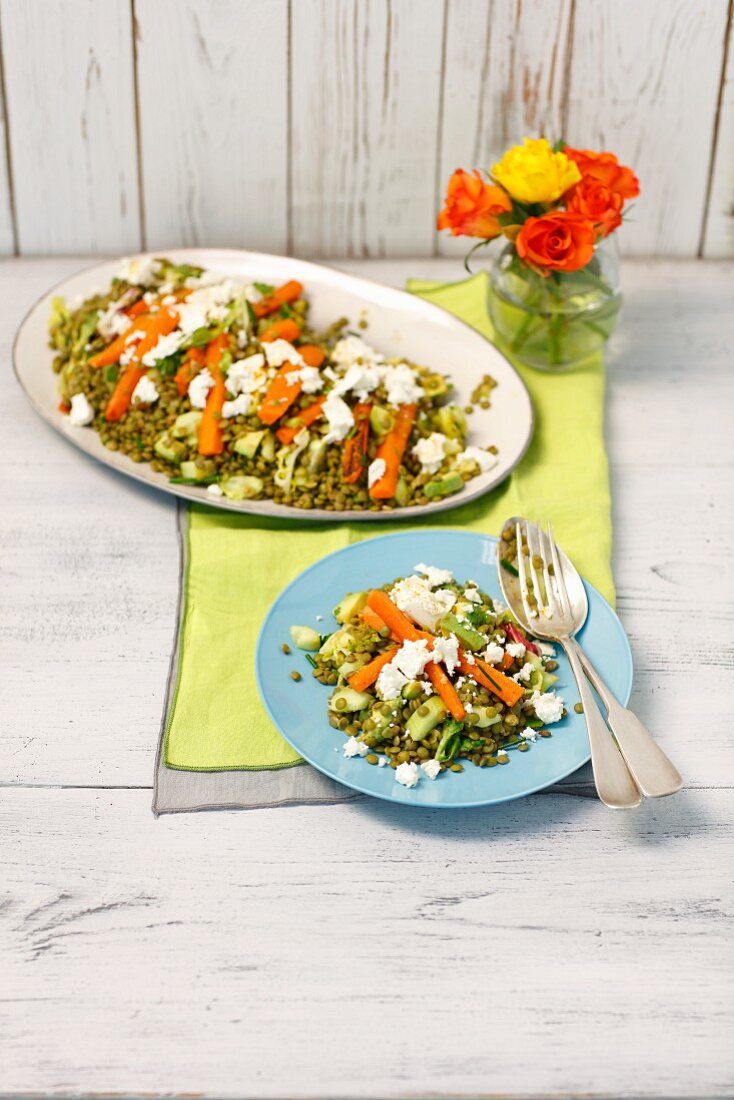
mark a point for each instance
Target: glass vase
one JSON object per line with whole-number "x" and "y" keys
{"x": 555, "y": 322}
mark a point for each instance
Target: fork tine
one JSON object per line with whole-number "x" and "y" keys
{"x": 531, "y": 535}
{"x": 522, "y": 571}
{"x": 553, "y": 601}
{"x": 558, "y": 573}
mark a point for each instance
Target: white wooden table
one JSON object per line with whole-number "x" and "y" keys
{"x": 548, "y": 947}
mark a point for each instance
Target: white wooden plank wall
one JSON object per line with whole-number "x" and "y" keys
{"x": 329, "y": 127}
{"x": 71, "y": 109}
{"x": 212, "y": 85}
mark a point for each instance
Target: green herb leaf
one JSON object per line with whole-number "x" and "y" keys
{"x": 509, "y": 567}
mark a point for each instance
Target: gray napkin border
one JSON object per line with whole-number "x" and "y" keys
{"x": 183, "y": 791}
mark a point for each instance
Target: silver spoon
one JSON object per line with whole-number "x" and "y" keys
{"x": 653, "y": 772}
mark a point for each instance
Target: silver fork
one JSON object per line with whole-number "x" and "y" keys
{"x": 553, "y": 617}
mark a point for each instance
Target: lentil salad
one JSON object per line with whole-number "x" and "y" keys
{"x": 227, "y": 387}
{"x": 427, "y": 672}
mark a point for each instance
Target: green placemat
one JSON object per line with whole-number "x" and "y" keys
{"x": 237, "y": 565}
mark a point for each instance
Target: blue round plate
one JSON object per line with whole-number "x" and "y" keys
{"x": 298, "y": 709}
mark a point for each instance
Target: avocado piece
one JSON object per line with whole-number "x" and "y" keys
{"x": 451, "y": 420}
{"x": 341, "y": 641}
{"x": 267, "y": 447}
{"x": 186, "y": 426}
{"x": 467, "y": 635}
{"x": 444, "y": 486}
{"x": 349, "y": 699}
{"x": 402, "y": 493}
{"x": 194, "y": 472}
{"x": 435, "y": 385}
{"x": 247, "y": 444}
{"x": 412, "y": 690}
{"x": 166, "y": 447}
{"x": 350, "y": 606}
{"x": 305, "y": 637}
{"x": 381, "y": 420}
{"x": 426, "y": 718}
{"x": 486, "y": 717}
{"x": 241, "y": 487}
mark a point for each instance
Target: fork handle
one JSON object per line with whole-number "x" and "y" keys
{"x": 654, "y": 773}
{"x": 614, "y": 784}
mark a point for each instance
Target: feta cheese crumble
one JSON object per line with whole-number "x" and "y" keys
{"x": 390, "y": 682}
{"x": 415, "y": 597}
{"x": 339, "y": 417}
{"x": 523, "y": 675}
{"x": 529, "y": 734}
{"x": 433, "y": 574}
{"x": 81, "y": 412}
{"x": 214, "y": 491}
{"x": 472, "y": 594}
{"x": 446, "y": 650}
{"x": 165, "y": 346}
{"x": 239, "y": 407}
{"x": 146, "y": 392}
{"x": 112, "y": 321}
{"x": 353, "y": 747}
{"x": 382, "y": 761}
{"x": 139, "y": 270}
{"x": 401, "y": 385}
{"x": 278, "y": 352}
{"x": 199, "y": 387}
{"x": 310, "y": 378}
{"x": 352, "y": 350}
{"x": 515, "y": 649}
{"x": 407, "y": 774}
{"x": 412, "y": 658}
{"x": 431, "y": 452}
{"x": 548, "y": 707}
{"x": 246, "y": 375}
{"x": 430, "y": 768}
{"x": 494, "y": 653}
{"x": 375, "y": 471}
{"x": 484, "y": 460}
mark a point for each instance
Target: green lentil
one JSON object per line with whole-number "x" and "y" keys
{"x": 285, "y": 648}
{"x": 295, "y": 675}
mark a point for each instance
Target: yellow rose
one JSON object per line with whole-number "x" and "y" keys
{"x": 532, "y": 172}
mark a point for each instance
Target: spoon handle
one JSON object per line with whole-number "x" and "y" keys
{"x": 654, "y": 773}
{"x": 614, "y": 784}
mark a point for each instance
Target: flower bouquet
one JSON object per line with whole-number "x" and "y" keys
{"x": 555, "y": 296}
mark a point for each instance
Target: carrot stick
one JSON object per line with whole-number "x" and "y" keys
{"x": 365, "y": 676}
{"x": 312, "y": 355}
{"x": 306, "y": 417}
{"x": 354, "y": 458}
{"x": 393, "y": 618}
{"x": 371, "y": 618}
{"x": 210, "y": 427}
{"x": 446, "y": 690}
{"x": 506, "y": 660}
{"x": 509, "y": 691}
{"x": 138, "y": 308}
{"x": 402, "y": 627}
{"x": 281, "y": 393}
{"x": 280, "y": 296}
{"x": 391, "y": 451}
{"x": 121, "y": 396}
{"x": 152, "y": 325}
{"x": 285, "y": 329}
{"x": 192, "y": 364}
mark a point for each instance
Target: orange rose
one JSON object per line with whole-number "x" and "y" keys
{"x": 597, "y": 203}
{"x": 604, "y": 168}
{"x": 472, "y": 206}
{"x": 561, "y": 240}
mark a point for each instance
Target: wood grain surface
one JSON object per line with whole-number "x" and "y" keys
{"x": 330, "y": 127}
{"x": 543, "y": 948}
